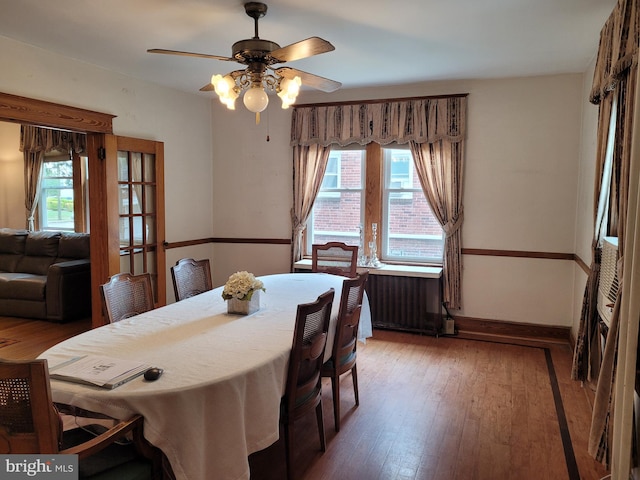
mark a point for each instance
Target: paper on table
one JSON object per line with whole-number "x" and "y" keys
{"x": 96, "y": 370}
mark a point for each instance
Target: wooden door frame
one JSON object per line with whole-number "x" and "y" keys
{"x": 23, "y": 110}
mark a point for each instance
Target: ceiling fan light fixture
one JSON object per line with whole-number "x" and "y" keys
{"x": 225, "y": 88}
{"x": 255, "y": 99}
{"x": 288, "y": 90}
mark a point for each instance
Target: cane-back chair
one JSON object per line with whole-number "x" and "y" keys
{"x": 303, "y": 392}
{"x": 335, "y": 257}
{"x": 191, "y": 277}
{"x": 345, "y": 341}
{"x": 30, "y": 424}
{"x": 126, "y": 295}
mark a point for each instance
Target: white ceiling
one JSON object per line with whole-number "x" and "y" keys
{"x": 377, "y": 42}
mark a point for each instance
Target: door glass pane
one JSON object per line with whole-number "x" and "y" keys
{"x": 123, "y": 166}
{"x": 151, "y": 229}
{"x": 150, "y": 198}
{"x": 138, "y": 238}
{"x": 149, "y": 167}
{"x": 123, "y": 199}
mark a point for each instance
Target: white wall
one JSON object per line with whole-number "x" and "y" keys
{"x": 182, "y": 121}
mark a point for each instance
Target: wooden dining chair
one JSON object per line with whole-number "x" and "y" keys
{"x": 345, "y": 341}
{"x": 337, "y": 258}
{"x": 191, "y": 277}
{"x": 303, "y": 391}
{"x": 126, "y": 295}
{"x": 30, "y": 424}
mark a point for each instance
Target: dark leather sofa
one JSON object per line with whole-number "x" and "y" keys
{"x": 45, "y": 275}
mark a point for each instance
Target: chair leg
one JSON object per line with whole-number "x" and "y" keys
{"x": 354, "y": 375}
{"x": 288, "y": 448}
{"x": 335, "y": 389}
{"x": 319, "y": 417}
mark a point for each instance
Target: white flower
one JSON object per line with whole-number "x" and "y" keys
{"x": 241, "y": 285}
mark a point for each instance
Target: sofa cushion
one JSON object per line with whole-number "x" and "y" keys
{"x": 12, "y": 241}
{"x": 8, "y": 262}
{"x": 42, "y": 244}
{"x": 73, "y": 246}
{"x": 41, "y": 249}
{"x": 22, "y": 286}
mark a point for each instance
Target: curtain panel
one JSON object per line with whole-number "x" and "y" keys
{"x": 435, "y": 127}
{"x": 34, "y": 143}
{"x": 615, "y": 74}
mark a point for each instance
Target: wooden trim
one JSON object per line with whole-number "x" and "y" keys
{"x": 518, "y": 254}
{"x": 381, "y": 100}
{"x": 201, "y": 241}
{"x": 18, "y": 109}
{"x": 582, "y": 264}
{"x": 373, "y": 192}
{"x": 511, "y": 332}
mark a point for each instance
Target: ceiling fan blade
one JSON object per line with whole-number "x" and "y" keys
{"x": 207, "y": 88}
{"x": 190, "y": 54}
{"x": 302, "y": 49}
{"x": 309, "y": 79}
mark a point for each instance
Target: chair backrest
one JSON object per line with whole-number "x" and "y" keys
{"x": 191, "y": 277}
{"x": 29, "y": 422}
{"x": 126, "y": 295}
{"x": 335, "y": 257}
{"x": 307, "y": 353}
{"x": 346, "y": 336}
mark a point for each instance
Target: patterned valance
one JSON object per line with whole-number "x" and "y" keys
{"x": 424, "y": 120}
{"x": 618, "y": 49}
{"x": 38, "y": 139}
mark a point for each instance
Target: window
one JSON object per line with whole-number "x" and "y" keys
{"x": 393, "y": 198}
{"x": 57, "y": 196}
{"x": 338, "y": 209}
{"x": 410, "y": 230}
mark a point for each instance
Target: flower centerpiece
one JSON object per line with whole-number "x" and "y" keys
{"x": 242, "y": 292}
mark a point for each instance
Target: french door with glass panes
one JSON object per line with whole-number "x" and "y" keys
{"x": 130, "y": 225}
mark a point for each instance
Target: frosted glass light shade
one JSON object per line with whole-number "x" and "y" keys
{"x": 225, "y": 89}
{"x": 256, "y": 99}
{"x": 289, "y": 89}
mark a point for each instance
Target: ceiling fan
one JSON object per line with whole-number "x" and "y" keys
{"x": 261, "y": 58}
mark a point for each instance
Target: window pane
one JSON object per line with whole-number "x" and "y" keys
{"x": 410, "y": 230}
{"x": 337, "y": 211}
{"x": 56, "y": 207}
{"x": 337, "y": 218}
{"x": 413, "y": 231}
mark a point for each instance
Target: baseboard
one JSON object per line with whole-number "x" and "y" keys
{"x": 511, "y": 332}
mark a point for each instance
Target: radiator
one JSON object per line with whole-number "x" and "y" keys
{"x": 405, "y": 303}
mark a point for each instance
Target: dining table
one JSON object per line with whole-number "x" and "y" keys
{"x": 218, "y": 399}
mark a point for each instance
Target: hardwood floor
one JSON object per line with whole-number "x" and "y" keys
{"x": 430, "y": 408}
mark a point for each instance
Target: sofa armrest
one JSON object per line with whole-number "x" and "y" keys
{"x": 69, "y": 290}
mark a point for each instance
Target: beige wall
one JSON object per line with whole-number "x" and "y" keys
{"x": 521, "y": 184}
{"x": 12, "y": 211}
{"x": 181, "y": 120}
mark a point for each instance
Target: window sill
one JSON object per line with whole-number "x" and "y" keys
{"x": 387, "y": 269}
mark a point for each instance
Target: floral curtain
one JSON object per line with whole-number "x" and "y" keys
{"x": 434, "y": 126}
{"x": 615, "y": 76}
{"x": 34, "y": 143}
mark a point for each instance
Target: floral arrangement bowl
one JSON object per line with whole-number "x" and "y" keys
{"x": 242, "y": 292}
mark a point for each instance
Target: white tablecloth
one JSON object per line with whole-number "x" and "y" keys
{"x": 218, "y": 399}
